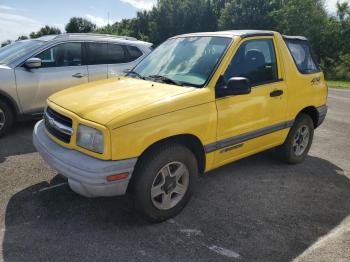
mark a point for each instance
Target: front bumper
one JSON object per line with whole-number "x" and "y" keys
{"x": 86, "y": 175}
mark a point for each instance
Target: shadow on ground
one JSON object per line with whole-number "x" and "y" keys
{"x": 18, "y": 141}
{"x": 258, "y": 208}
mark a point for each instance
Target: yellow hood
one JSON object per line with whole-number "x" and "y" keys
{"x": 106, "y": 100}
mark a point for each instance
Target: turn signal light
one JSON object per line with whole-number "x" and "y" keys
{"x": 117, "y": 177}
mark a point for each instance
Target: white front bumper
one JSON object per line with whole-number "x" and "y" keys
{"x": 86, "y": 175}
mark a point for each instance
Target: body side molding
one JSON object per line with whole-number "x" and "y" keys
{"x": 246, "y": 136}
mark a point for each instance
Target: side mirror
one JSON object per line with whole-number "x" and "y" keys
{"x": 235, "y": 86}
{"x": 33, "y": 62}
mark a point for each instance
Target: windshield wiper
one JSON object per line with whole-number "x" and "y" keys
{"x": 136, "y": 74}
{"x": 166, "y": 79}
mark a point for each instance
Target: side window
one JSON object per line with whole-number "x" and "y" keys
{"x": 255, "y": 60}
{"x": 97, "y": 53}
{"x": 68, "y": 54}
{"x": 134, "y": 53}
{"x": 116, "y": 54}
{"x": 301, "y": 54}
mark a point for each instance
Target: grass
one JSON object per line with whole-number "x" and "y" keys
{"x": 339, "y": 84}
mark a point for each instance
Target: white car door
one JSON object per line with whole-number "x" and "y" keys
{"x": 61, "y": 68}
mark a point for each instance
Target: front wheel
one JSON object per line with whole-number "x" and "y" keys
{"x": 6, "y": 118}
{"x": 163, "y": 182}
{"x": 298, "y": 142}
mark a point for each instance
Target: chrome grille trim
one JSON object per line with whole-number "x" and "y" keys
{"x": 58, "y": 125}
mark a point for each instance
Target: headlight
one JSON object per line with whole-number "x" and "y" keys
{"x": 90, "y": 138}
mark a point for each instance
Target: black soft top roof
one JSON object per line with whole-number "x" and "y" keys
{"x": 243, "y": 34}
{"x": 292, "y": 37}
{"x": 251, "y": 33}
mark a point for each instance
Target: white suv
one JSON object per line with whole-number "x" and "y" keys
{"x": 32, "y": 70}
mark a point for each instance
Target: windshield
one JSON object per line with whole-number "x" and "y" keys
{"x": 13, "y": 51}
{"x": 185, "y": 60}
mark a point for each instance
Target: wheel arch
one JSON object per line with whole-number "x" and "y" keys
{"x": 10, "y": 102}
{"x": 192, "y": 142}
{"x": 312, "y": 112}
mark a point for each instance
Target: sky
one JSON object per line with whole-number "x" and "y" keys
{"x": 20, "y": 17}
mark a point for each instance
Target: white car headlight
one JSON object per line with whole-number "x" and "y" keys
{"x": 90, "y": 138}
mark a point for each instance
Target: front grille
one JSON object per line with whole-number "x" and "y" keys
{"x": 50, "y": 113}
{"x": 58, "y": 117}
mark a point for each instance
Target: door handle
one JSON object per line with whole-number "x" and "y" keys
{"x": 275, "y": 93}
{"x": 78, "y": 75}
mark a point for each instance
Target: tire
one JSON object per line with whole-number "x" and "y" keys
{"x": 6, "y": 118}
{"x": 159, "y": 191}
{"x": 298, "y": 142}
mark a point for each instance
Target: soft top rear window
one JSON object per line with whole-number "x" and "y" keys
{"x": 301, "y": 53}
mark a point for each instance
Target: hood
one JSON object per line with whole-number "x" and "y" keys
{"x": 105, "y": 100}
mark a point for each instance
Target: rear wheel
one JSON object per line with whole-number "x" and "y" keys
{"x": 299, "y": 140}
{"x": 164, "y": 182}
{"x": 6, "y": 118}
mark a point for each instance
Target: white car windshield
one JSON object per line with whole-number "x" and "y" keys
{"x": 13, "y": 51}
{"x": 183, "y": 60}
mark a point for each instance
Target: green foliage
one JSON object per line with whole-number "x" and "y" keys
{"x": 22, "y": 37}
{"x": 329, "y": 35}
{"x": 5, "y": 43}
{"x": 169, "y": 18}
{"x": 248, "y": 14}
{"x": 339, "y": 84}
{"x": 46, "y": 30}
{"x": 343, "y": 10}
{"x": 304, "y": 17}
{"x": 341, "y": 69}
{"x": 80, "y": 25}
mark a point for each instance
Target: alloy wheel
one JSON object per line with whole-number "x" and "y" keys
{"x": 301, "y": 140}
{"x": 170, "y": 185}
{"x": 2, "y": 119}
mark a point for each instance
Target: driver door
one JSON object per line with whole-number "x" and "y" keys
{"x": 61, "y": 68}
{"x": 252, "y": 122}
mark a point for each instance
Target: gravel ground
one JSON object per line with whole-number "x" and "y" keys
{"x": 256, "y": 209}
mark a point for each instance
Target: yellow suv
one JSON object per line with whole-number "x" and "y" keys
{"x": 197, "y": 102}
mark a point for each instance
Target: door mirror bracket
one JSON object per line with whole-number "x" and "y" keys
{"x": 234, "y": 86}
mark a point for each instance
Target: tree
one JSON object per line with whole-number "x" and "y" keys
{"x": 171, "y": 17}
{"x": 168, "y": 18}
{"x": 304, "y": 17}
{"x": 46, "y": 30}
{"x": 342, "y": 10}
{"x": 248, "y": 14}
{"x": 80, "y": 25}
{"x": 219, "y": 6}
{"x": 22, "y": 37}
{"x": 329, "y": 36}
{"x": 340, "y": 70}
{"x": 5, "y": 43}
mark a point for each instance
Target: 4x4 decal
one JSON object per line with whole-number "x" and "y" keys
{"x": 316, "y": 80}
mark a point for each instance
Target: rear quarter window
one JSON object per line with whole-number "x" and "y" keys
{"x": 301, "y": 53}
{"x": 134, "y": 53}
